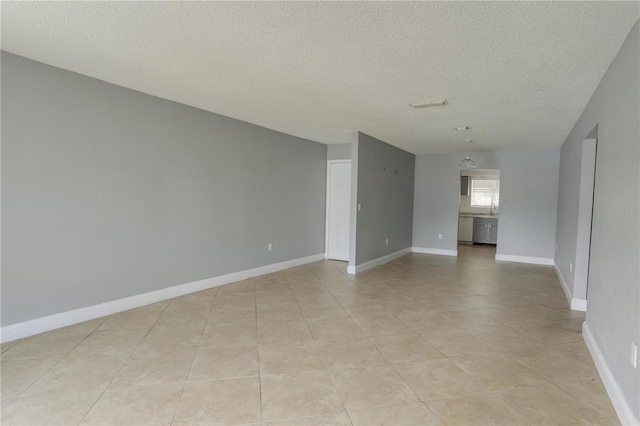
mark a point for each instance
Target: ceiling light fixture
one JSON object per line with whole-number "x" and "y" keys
{"x": 429, "y": 104}
{"x": 463, "y": 128}
{"x": 467, "y": 161}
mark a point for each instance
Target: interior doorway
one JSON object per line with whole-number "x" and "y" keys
{"x": 338, "y": 209}
{"x": 478, "y": 216}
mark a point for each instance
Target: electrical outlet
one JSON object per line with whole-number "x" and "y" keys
{"x": 439, "y": 236}
{"x": 571, "y": 267}
{"x": 386, "y": 241}
{"x": 556, "y": 247}
{"x": 359, "y": 207}
{"x": 269, "y": 247}
{"x": 634, "y": 355}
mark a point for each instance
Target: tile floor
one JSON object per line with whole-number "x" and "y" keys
{"x": 422, "y": 340}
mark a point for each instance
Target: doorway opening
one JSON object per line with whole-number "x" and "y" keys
{"x": 478, "y": 215}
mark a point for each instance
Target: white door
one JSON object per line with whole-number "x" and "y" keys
{"x": 338, "y": 209}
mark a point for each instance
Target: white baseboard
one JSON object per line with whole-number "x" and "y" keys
{"x": 63, "y": 319}
{"x": 351, "y": 269}
{"x": 563, "y": 283}
{"x": 441, "y": 252}
{"x": 575, "y": 304}
{"x": 525, "y": 259}
{"x": 579, "y": 305}
{"x": 624, "y": 411}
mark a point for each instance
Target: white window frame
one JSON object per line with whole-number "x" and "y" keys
{"x": 494, "y": 190}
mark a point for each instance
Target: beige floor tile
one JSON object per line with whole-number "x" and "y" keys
{"x": 284, "y": 333}
{"x": 131, "y": 320}
{"x": 591, "y": 392}
{"x": 17, "y": 375}
{"x": 406, "y": 347}
{"x": 350, "y": 354}
{"x": 456, "y": 342}
{"x": 155, "y": 368}
{"x": 427, "y": 322}
{"x": 340, "y": 419}
{"x": 185, "y": 321}
{"x": 299, "y": 395}
{"x": 547, "y": 404}
{"x": 273, "y": 287}
{"x": 237, "y": 335}
{"x": 318, "y": 313}
{"x": 45, "y": 345}
{"x": 469, "y": 319}
{"x": 54, "y": 409}
{"x": 245, "y": 287}
{"x": 229, "y": 316}
{"x": 365, "y": 388}
{"x": 503, "y": 338}
{"x": 410, "y": 414}
{"x": 335, "y": 329}
{"x": 575, "y": 350}
{"x": 78, "y": 374}
{"x": 497, "y": 371}
{"x": 224, "y": 363}
{"x": 83, "y": 327}
{"x": 220, "y": 402}
{"x": 8, "y": 345}
{"x": 475, "y": 410}
{"x": 281, "y": 359}
{"x": 438, "y": 379}
{"x": 505, "y": 315}
{"x": 170, "y": 340}
{"x": 549, "y": 333}
{"x": 552, "y": 364}
{"x": 445, "y": 307}
{"x": 119, "y": 343}
{"x": 477, "y": 302}
{"x": 382, "y": 325}
{"x": 141, "y": 405}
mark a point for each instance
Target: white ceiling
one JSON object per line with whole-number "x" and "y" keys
{"x": 518, "y": 73}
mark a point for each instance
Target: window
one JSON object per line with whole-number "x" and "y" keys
{"x": 484, "y": 192}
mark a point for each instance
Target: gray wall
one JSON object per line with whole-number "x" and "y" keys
{"x": 109, "y": 193}
{"x": 339, "y": 152}
{"x": 386, "y": 198}
{"x": 526, "y": 224}
{"x": 613, "y": 311}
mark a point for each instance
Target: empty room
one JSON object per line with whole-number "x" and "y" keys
{"x": 320, "y": 213}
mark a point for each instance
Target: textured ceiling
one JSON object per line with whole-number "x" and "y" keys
{"x": 518, "y": 73}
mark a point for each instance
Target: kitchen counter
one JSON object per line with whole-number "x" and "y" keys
{"x": 479, "y": 215}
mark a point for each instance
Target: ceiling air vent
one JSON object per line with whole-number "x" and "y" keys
{"x": 429, "y": 104}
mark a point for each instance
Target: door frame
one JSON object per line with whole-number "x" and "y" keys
{"x": 326, "y": 224}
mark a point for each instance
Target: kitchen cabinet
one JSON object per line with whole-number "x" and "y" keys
{"x": 485, "y": 230}
{"x": 465, "y": 229}
{"x": 464, "y": 185}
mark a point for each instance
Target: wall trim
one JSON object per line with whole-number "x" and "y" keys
{"x": 377, "y": 262}
{"x": 625, "y": 414}
{"x": 426, "y": 250}
{"x": 579, "y": 305}
{"x": 525, "y": 259}
{"x": 63, "y": 319}
{"x": 563, "y": 283}
{"x": 575, "y": 304}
